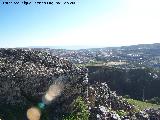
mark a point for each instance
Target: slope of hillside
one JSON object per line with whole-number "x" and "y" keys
{"x": 26, "y": 75}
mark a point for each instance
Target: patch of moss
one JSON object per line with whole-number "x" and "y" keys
{"x": 80, "y": 111}
{"x": 140, "y": 105}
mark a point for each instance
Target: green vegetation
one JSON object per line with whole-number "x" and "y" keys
{"x": 80, "y": 110}
{"x": 121, "y": 112}
{"x": 95, "y": 63}
{"x": 92, "y": 63}
{"x": 139, "y": 105}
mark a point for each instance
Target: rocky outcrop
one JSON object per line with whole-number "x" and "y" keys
{"x": 149, "y": 114}
{"x": 153, "y": 114}
{"x": 25, "y": 75}
{"x": 104, "y": 103}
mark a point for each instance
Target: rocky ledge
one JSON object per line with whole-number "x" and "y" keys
{"x": 25, "y": 76}
{"x": 29, "y": 73}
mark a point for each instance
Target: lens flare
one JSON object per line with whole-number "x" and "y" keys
{"x": 53, "y": 92}
{"x": 33, "y": 113}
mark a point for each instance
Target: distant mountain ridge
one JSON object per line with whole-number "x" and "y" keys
{"x": 142, "y": 46}
{"x": 63, "y": 47}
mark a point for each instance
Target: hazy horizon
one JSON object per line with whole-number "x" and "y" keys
{"x": 76, "y": 47}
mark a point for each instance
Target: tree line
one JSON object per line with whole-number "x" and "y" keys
{"x": 139, "y": 83}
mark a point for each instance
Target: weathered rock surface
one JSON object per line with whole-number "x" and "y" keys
{"x": 104, "y": 103}
{"x": 25, "y": 75}
{"x": 153, "y": 114}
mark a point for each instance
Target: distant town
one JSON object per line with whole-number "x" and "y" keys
{"x": 125, "y": 57}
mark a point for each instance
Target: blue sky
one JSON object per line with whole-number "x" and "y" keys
{"x": 87, "y": 23}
